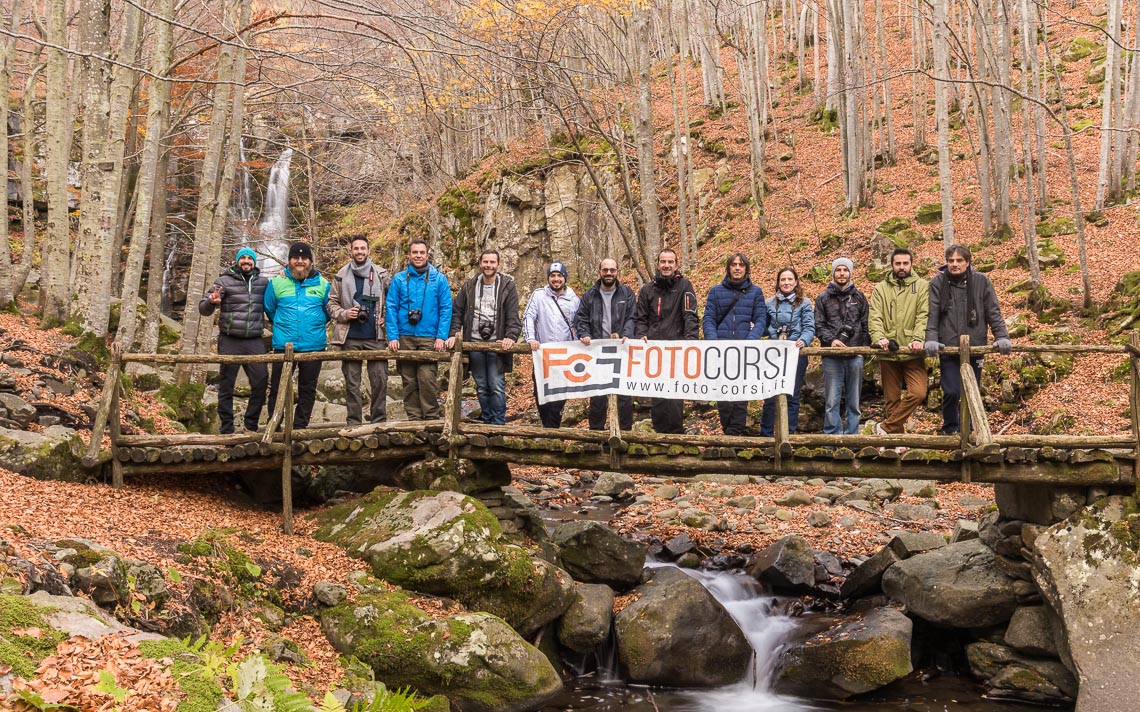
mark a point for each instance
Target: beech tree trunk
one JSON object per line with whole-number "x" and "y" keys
{"x": 643, "y": 132}
{"x": 942, "y": 116}
{"x": 56, "y": 260}
{"x": 8, "y": 287}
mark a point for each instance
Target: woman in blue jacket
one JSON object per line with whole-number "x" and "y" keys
{"x": 791, "y": 318}
{"x": 735, "y": 309}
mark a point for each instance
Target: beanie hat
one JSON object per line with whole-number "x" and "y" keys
{"x": 246, "y": 252}
{"x": 842, "y": 262}
{"x": 300, "y": 249}
{"x": 557, "y": 267}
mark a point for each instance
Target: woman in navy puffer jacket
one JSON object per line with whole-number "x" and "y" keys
{"x": 735, "y": 309}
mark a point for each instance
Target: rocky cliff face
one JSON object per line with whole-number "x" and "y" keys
{"x": 557, "y": 215}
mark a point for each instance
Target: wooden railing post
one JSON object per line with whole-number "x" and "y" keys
{"x": 453, "y": 404}
{"x": 110, "y": 393}
{"x": 278, "y": 410}
{"x": 964, "y": 405}
{"x": 1134, "y": 401}
{"x": 613, "y": 419}
{"x": 287, "y": 440}
{"x": 780, "y": 429}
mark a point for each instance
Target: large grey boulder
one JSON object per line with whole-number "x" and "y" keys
{"x": 956, "y": 586}
{"x": 594, "y": 553}
{"x": 788, "y": 565}
{"x": 475, "y": 659}
{"x": 461, "y": 474}
{"x": 614, "y": 484}
{"x": 54, "y": 454}
{"x": 1088, "y": 572}
{"x": 867, "y": 577}
{"x": 79, "y": 616}
{"x": 676, "y": 633}
{"x": 586, "y": 623}
{"x": 449, "y": 544}
{"x": 850, "y": 658}
{"x": 1030, "y": 631}
{"x": 1009, "y": 675}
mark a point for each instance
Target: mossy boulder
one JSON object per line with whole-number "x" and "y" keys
{"x": 448, "y": 544}
{"x": 929, "y": 213}
{"x": 1060, "y": 225}
{"x": 54, "y": 454}
{"x": 20, "y": 648}
{"x": 1086, "y": 566}
{"x": 1122, "y": 310}
{"x": 1049, "y": 254}
{"x": 186, "y": 404}
{"x": 850, "y": 658}
{"x": 676, "y": 633}
{"x": 475, "y": 659}
{"x": 1078, "y": 49}
{"x": 586, "y": 623}
{"x": 593, "y": 553}
{"x": 957, "y": 586}
{"x": 829, "y": 242}
{"x": 1006, "y": 675}
{"x": 893, "y": 225}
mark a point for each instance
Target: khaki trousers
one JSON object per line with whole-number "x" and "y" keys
{"x": 897, "y": 374}
{"x": 421, "y": 380}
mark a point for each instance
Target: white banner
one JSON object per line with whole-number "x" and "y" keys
{"x": 690, "y": 370}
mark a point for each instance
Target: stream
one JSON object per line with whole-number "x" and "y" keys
{"x": 599, "y": 687}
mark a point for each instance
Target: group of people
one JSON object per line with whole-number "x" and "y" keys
{"x": 907, "y": 317}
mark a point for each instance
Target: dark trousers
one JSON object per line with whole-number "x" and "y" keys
{"x": 307, "y": 373}
{"x": 952, "y": 390}
{"x": 668, "y": 415}
{"x": 549, "y": 413}
{"x": 598, "y": 409}
{"x": 768, "y": 415}
{"x": 733, "y": 417}
{"x": 256, "y": 373}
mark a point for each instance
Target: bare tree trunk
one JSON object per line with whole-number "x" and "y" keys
{"x": 201, "y": 268}
{"x": 1108, "y": 179}
{"x": 644, "y": 136}
{"x": 56, "y": 260}
{"x": 918, "y": 83}
{"x": 8, "y": 287}
{"x": 1132, "y": 107}
{"x": 156, "y": 259}
{"x": 104, "y": 147}
{"x": 148, "y": 176}
{"x": 942, "y": 116}
{"x": 27, "y": 186}
{"x": 884, "y": 77}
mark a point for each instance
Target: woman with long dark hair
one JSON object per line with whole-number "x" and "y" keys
{"x": 790, "y": 318}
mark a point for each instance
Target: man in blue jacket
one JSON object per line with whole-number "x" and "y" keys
{"x": 418, "y": 313}
{"x": 735, "y": 309}
{"x": 296, "y": 302}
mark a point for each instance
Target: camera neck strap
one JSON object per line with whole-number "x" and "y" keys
{"x": 563, "y": 315}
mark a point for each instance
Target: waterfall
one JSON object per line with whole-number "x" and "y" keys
{"x": 167, "y": 270}
{"x": 767, "y": 631}
{"x": 273, "y": 247}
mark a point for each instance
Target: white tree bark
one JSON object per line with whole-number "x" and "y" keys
{"x": 643, "y": 133}
{"x": 8, "y": 287}
{"x": 56, "y": 260}
{"x": 941, "y": 111}
{"x": 1108, "y": 185}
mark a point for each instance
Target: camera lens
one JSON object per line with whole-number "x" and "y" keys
{"x": 414, "y": 316}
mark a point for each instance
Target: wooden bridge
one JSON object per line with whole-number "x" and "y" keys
{"x": 977, "y": 454}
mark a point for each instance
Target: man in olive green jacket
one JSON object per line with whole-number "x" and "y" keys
{"x": 897, "y": 324}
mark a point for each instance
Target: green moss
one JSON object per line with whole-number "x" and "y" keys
{"x": 929, "y": 213}
{"x": 892, "y": 225}
{"x": 826, "y": 119}
{"x": 1078, "y": 49}
{"x": 24, "y": 652}
{"x": 201, "y": 693}
{"x": 185, "y": 404}
{"x": 716, "y": 147}
{"x": 232, "y": 566}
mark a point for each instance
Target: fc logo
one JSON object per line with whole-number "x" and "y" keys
{"x": 573, "y": 367}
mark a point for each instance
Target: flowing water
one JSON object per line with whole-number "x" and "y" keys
{"x": 273, "y": 247}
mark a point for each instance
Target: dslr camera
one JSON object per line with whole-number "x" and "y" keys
{"x": 783, "y": 333}
{"x": 486, "y": 330}
{"x": 414, "y": 316}
{"x": 845, "y": 334}
{"x": 365, "y": 307}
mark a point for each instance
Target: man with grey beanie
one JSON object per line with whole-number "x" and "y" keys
{"x": 841, "y": 322}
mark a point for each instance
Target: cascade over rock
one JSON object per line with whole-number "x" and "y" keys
{"x": 676, "y": 633}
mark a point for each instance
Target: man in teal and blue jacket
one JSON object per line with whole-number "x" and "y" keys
{"x": 296, "y": 302}
{"x": 418, "y": 317}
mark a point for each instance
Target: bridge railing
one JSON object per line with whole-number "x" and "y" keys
{"x": 976, "y": 437}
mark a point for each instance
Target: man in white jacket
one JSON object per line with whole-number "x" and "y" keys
{"x": 549, "y": 316}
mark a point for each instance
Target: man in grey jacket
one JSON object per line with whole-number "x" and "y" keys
{"x": 549, "y": 317}
{"x": 962, "y": 301}
{"x": 240, "y": 292}
{"x": 356, "y": 306}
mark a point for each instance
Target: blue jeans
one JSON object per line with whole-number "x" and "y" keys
{"x": 950, "y": 366}
{"x": 768, "y": 415}
{"x": 842, "y": 380}
{"x": 490, "y": 385}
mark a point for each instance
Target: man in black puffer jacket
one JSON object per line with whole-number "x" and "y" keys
{"x": 841, "y": 322}
{"x": 667, "y": 311}
{"x": 607, "y": 308}
{"x": 240, "y": 291}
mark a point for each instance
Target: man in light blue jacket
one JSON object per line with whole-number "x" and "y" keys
{"x": 549, "y": 317}
{"x": 418, "y": 317}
